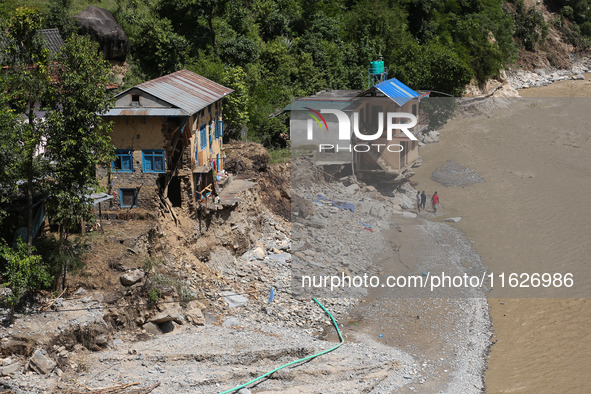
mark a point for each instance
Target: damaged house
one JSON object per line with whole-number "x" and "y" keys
{"x": 168, "y": 138}
{"x": 315, "y": 124}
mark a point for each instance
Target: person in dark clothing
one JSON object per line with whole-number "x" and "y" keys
{"x": 423, "y": 200}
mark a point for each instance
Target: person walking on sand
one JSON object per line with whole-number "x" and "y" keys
{"x": 423, "y": 200}
{"x": 435, "y": 202}
{"x": 418, "y": 202}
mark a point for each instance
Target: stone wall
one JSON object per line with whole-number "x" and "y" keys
{"x": 146, "y": 185}
{"x": 137, "y": 134}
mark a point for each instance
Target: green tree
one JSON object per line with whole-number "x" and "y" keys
{"x": 77, "y": 138}
{"x": 237, "y": 103}
{"x": 26, "y": 81}
{"x": 58, "y": 16}
{"x": 530, "y": 27}
{"x": 194, "y": 19}
{"x": 10, "y": 156}
{"x": 430, "y": 67}
{"x": 157, "y": 49}
{"x": 23, "y": 271}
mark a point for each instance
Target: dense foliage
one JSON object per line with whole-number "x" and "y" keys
{"x": 577, "y": 14}
{"x": 271, "y": 51}
{"x": 52, "y": 137}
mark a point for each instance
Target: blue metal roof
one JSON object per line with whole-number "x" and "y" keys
{"x": 397, "y": 91}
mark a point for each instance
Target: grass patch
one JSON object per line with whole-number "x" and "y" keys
{"x": 279, "y": 156}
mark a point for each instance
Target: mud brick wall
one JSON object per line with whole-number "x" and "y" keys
{"x": 146, "y": 184}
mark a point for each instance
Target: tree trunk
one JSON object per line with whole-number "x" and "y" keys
{"x": 61, "y": 252}
{"x": 31, "y": 154}
{"x": 30, "y": 204}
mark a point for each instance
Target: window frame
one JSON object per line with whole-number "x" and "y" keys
{"x": 202, "y": 138}
{"x": 219, "y": 129}
{"x": 120, "y": 153}
{"x": 154, "y": 153}
{"x": 134, "y": 190}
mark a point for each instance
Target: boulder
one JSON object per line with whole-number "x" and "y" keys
{"x": 234, "y": 300}
{"x": 451, "y": 173}
{"x": 231, "y": 322}
{"x": 352, "y": 188}
{"x": 195, "y": 316}
{"x": 406, "y": 202}
{"x": 41, "y": 363}
{"x": 372, "y": 208}
{"x": 6, "y": 370}
{"x": 194, "y": 313}
{"x": 132, "y": 277}
{"x": 453, "y": 220}
{"x": 259, "y": 253}
{"x": 152, "y": 329}
{"x": 102, "y": 27}
{"x": 169, "y": 312}
{"x": 302, "y": 207}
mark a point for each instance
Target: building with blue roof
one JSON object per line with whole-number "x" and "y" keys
{"x": 314, "y": 125}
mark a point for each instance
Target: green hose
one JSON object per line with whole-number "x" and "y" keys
{"x": 301, "y": 359}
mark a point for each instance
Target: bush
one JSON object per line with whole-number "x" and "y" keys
{"x": 586, "y": 29}
{"x": 567, "y": 11}
{"x": 530, "y": 27}
{"x": 23, "y": 271}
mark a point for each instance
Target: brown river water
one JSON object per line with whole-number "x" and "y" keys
{"x": 531, "y": 215}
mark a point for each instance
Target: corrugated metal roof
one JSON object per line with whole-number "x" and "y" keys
{"x": 397, "y": 91}
{"x": 144, "y": 111}
{"x": 53, "y": 39}
{"x": 306, "y": 103}
{"x": 185, "y": 90}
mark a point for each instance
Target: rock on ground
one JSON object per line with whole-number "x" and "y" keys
{"x": 6, "y": 370}
{"x": 453, "y": 220}
{"x": 451, "y": 173}
{"x": 41, "y": 362}
{"x": 234, "y": 300}
{"x": 132, "y": 277}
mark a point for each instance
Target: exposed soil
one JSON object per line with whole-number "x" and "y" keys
{"x": 249, "y": 160}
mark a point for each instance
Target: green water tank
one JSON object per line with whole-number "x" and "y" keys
{"x": 376, "y": 67}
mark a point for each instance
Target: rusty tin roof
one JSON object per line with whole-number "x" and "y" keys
{"x": 183, "y": 89}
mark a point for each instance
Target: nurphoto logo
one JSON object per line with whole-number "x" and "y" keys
{"x": 348, "y": 127}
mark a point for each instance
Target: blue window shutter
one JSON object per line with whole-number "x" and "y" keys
{"x": 218, "y": 129}
{"x": 202, "y": 138}
{"x": 147, "y": 164}
{"x": 126, "y": 163}
{"x": 123, "y": 161}
{"x": 158, "y": 162}
{"x": 154, "y": 161}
